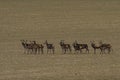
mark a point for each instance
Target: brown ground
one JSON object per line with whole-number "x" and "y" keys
{"x": 56, "y": 20}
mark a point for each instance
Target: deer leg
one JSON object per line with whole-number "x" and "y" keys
{"x": 47, "y": 51}
{"x": 101, "y": 51}
{"x": 80, "y": 50}
{"x": 62, "y": 51}
{"x": 94, "y": 51}
{"x": 65, "y": 51}
{"x": 109, "y": 51}
{"x": 35, "y": 51}
{"x": 42, "y": 50}
{"x": 27, "y": 51}
{"x": 30, "y": 51}
{"x": 38, "y": 50}
{"x": 24, "y": 51}
{"x": 75, "y": 51}
{"x": 70, "y": 49}
{"x": 88, "y": 50}
{"x": 53, "y": 50}
{"x": 50, "y": 50}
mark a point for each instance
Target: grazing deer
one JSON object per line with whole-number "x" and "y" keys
{"x": 65, "y": 47}
{"x": 49, "y": 47}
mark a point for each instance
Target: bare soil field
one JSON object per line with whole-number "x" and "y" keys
{"x": 55, "y": 20}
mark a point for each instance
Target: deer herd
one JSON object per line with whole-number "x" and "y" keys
{"x": 31, "y": 47}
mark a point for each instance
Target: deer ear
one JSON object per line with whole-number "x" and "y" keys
{"x": 22, "y": 40}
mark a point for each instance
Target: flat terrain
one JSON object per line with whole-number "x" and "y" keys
{"x": 55, "y": 20}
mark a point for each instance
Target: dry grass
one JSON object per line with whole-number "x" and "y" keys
{"x": 54, "y": 21}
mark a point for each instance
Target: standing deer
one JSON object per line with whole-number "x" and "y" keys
{"x": 76, "y": 47}
{"x": 83, "y": 46}
{"x": 27, "y": 47}
{"x": 49, "y": 47}
{"x": 38, "y": 47}
{"x": 96, "y": 47}
{"x": 65, "y": 47}
{"x": 106, "y": 46}
{"x": 31, "y": 47}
